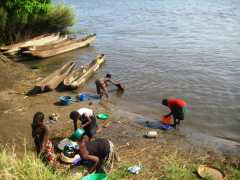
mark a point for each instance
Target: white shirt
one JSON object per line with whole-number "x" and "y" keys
{"x": 86, "y": 111}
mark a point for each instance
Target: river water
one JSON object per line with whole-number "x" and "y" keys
{"x": 160, "y": 48}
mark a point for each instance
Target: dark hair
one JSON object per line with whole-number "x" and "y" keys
{"x": 108, "y": 75}
{"x": 74, "y": 115}
{"x": 37, "y": 118}
{"x": 165, "y": 102}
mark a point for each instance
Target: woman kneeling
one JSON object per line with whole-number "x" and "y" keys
{"x": 101, "y": 152}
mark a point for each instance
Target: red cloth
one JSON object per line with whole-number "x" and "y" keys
{"x": 176, "y": 103}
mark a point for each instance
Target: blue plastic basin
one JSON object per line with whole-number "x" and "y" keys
{"x": 65, "y": 100}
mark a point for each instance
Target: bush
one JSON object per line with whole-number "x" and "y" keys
{"x": 57, "y": 19}
{"x": 22, "y": 19}
{"x": 60, "y": 17}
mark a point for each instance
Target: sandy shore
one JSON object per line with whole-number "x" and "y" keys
{"x": 17, "y": 111}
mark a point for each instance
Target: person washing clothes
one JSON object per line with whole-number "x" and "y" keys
{"x": 177, "y": 108}
{"x": 88, "y": 121}
{"x": 102, "y": 84}
{"x": 101, "y": 154}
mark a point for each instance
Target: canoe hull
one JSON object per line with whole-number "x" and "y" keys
{"x": 67, "y": 46}
{"x": 37, "y": 41}
{"x": 86, "y": 73}
{"x": 53, "y": 80}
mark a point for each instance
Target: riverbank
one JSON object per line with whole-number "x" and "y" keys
{"x": 169, "y": 156}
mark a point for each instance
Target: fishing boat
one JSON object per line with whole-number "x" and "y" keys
{"x": 52, "y": 44}
{"x": 78, "y": 77}
{"x": 53, "y": 80}
{"x": 62, "y": 47}
{"x": 37, "y": 41}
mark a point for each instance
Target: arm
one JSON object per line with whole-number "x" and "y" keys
{"x": 85, "y": 155}
{"x": 169, "y": 114}
{"x": 113, "y": 82}
{"x": 117, "y": 84}
{"x": 75, "y": 124}
{"x": 45, "y": 139}
{"x": 87, "y": 123}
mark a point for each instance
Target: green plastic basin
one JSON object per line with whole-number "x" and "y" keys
{"x": 97, "y": 176}
{"x": 103, "y": 116}
{"x": 77, "y": 134}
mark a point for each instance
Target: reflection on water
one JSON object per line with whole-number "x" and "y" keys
{"x": 186, "y": 49}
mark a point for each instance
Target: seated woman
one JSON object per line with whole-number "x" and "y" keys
{"x": 100, "y": 152}
{"x": 44, "y": 146}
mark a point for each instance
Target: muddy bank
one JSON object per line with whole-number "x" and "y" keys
{"x": 17, "y": 111}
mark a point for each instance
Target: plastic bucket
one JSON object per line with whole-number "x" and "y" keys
{"x": 167, "y": 120}
{"x": 65, "y": 100}
{"x": 83, "y": 97}
{"x": 97, "y": 176}
{"x": 77, "y": 134}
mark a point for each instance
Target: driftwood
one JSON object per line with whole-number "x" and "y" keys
{"x": 61, "y": 47}
{"x": 53, "y": 80}
{"x": 79, "y": 77}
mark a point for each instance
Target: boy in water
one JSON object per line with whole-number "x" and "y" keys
{"x": 102, "y": 84}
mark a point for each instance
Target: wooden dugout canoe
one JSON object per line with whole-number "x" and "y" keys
{"x": 62, "y": 47}
{"x": 56, "y": 43}
{"x": 37, "y": 41}
{"x": 78, "y": 77}
{"x": 53, "y": 80}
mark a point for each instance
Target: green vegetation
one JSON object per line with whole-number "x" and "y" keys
{"x": 121, "y": 172}
{"x": 29, "y": 167}
{"x": 171, "y": 168}
{"x": 22, "y": 19}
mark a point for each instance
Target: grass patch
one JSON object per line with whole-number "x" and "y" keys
{"x": 176, "y": 168}
{"x": 121, "y": 172}
{"x": 233, "y": 172}
{"x": 165, "y": 167}
{"x": 29, "y": 167}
